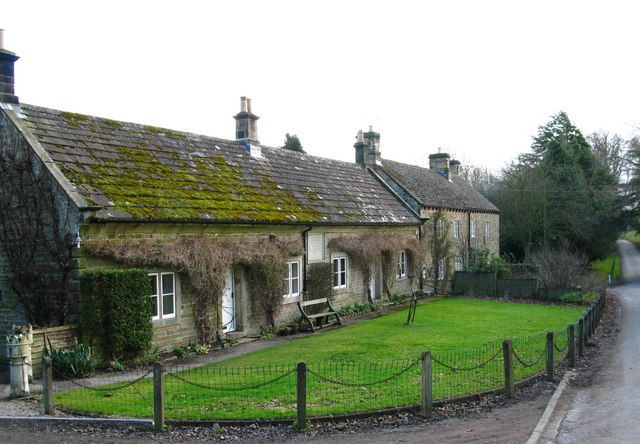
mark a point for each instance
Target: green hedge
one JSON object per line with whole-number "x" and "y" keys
{"x": 117, "y": 310}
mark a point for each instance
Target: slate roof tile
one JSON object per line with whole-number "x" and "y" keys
{"x": 140, "y": 172}
{"x": 434, "y": 190}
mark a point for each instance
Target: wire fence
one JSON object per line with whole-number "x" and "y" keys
{"x": 117, "y": 394}
{"x": 228, "y": 393}
{"x": 219, "y": 392}
{"x": 464, "y": 372}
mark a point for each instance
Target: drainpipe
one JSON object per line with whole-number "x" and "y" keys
{"x": 305, "y": 246}
{"x": 469, "y": 235}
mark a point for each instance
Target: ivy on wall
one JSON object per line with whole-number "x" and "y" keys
{"x": 117, "y": 310}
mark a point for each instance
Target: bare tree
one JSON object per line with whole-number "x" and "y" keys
{"x": 609, "y": 150}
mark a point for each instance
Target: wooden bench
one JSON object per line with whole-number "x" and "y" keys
{"x": 327, "y": 312}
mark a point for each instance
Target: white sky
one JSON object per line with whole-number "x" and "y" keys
{"x": 476, "y": 78}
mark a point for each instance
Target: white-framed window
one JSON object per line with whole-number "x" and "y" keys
{"x": 474, "y": 228}
{"x": 458, "y": 264}
{"x": 401, "y": 271}
{"x": 339, "y": 272}
{"x": 163, "y": 295}
{"x": 441, "y": 269}
{"x": 440, "y": 227}
{"x": 456, "y": 229}
{"x": 487, "y": 229}
{"x": 292, "y": 279}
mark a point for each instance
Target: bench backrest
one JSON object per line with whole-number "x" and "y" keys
{"x": 314, "y": 302}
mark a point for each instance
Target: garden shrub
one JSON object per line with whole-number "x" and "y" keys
{"x": 357, "y": 309}
{"x": 117, "y": 310}
{"x": 482, "y": 261}
{"x": 73, "y": 362}
{"x": 580, "y": 297}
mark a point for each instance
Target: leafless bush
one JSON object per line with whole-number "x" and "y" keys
{"x": 559, "y": 267}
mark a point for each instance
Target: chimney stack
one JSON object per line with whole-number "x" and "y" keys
{"x": 368, "y": 148}
{"x": 440, "y": 163}
{"x": 246, "y": 123}
{"x": 7, "y": 60}
{"x": 454, "y": 167}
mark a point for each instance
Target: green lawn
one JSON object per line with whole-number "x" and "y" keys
{"x": 610, "y": 264}
{"x": 367, "y": 366}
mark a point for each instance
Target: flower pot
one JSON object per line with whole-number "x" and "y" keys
{"x": 295, "y": 328}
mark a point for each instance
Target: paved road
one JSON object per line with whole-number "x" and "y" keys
{"x": 608, "y": 409}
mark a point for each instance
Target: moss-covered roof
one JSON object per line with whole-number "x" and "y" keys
{"x": 140, "y": 172}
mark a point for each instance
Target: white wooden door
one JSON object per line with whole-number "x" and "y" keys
{"x": 228, "y": 304}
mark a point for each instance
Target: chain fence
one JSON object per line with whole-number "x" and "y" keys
{"x": 464, "y": 372}
{"x": 228, "y": 393}
{"x": 222, "y": 392}
{"x": 128, "y": 395}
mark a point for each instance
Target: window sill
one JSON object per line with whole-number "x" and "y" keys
{"x": 166, "y": 322}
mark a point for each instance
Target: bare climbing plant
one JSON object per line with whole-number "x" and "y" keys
{"x": 368, "y": 250}
{"x": 36, "y": 220}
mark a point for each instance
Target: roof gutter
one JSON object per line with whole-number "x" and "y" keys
{"x": 263, "y": 223}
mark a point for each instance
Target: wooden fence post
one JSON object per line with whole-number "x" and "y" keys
{"x": 572, "y": 345}
{"x": 549, "y": 356}
{"x": 427, "y": 384}
{"x": 581, "y": 337}
{"x": 158, "y": 396}
{"x": 507, "y": 352}
{"x": 47, "y": 385}
{"x": 301, "y": 395}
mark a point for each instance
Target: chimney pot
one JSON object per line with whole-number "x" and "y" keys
{"x": 246, "y": 123}
{"x": 1, "y": 38}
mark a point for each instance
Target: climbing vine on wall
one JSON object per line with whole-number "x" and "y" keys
{"x": 36, "y": 226}
{"x": 206, "y": 261}
{"x": 438, "y": 270}
{"x": 368, "y": 250}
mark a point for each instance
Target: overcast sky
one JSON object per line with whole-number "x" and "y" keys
{"x": 476, "y": 78}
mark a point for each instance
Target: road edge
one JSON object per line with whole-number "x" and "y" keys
{"x": 551, "y": 406}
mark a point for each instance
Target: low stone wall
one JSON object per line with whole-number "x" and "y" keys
{"x": 60, "y": 337}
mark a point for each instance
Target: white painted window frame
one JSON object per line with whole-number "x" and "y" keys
{"x": 458, "y": 264}
{"x": 456, "y": 228}
{"x": 342, "y": 260}
{"x": 401, "y": 269}
{"x": 474, "y": 229}
{"x": 290, "y": 279}
{"x": 160, "y": 294}
{"x": 487, "y": 229}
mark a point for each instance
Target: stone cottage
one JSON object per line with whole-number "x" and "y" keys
{"x": 449, "y": 206}
{"x": 90, "y": 181}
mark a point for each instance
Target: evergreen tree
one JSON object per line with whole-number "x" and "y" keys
{"x": 559, "y": 195}
{"x": 292, "y": 143}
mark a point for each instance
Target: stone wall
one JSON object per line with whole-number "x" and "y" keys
{"x": 39, "y": 188}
